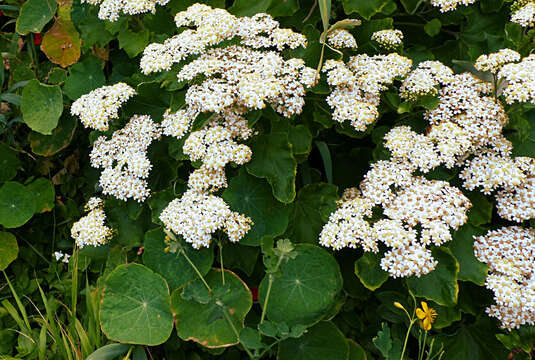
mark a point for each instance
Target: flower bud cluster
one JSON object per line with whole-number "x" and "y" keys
{"x": 341, "y": 39}
{"x": 510, "y": 254}
{"x": 494, "y": 62}
{"x": 91, "y": 229}
{"x": 358, "y": 85}
{"x": 124, "y": 159}
{"x": 388, "y": 39}
{"x": 425, "y": 79}
{"x": 110, "y": 9}
{"x": 523, "y": 13}
{"x": 101, "y": 105}
{"x": 520, "y": 80}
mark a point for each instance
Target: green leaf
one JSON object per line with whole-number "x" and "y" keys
{"x": 136, "y": 307}
{"x": 130, "y": 232}
{"x": 306, "y": 289}
{"x": 150, "y": 100}
{"x": 208, "y": 324}
{"x": 411, "y": 5}
{"x": 310, "y": 211}
{"x": 283, "y": 8}
{"x": 440, "y": 285}
{"x": 250, "y": 338}
{"x": 273, "y": 159}
{"x": 432, "y": 28}
{"x": 474, "y": 342}
{"x": 462, "y": 247}
{"x": 301, "y": 139}
{"x": 57, "y": 76}
{"x": 248, "y": 8}
{"x": 365, "y": 8}
{"x": 383, "y": 341}
{"x": 61, "y": 137}
{"x": 253, "y": 197}
{"x": 9, "y": 162}
{"x": 17, "y": 205}
{"x": 44, "y": 194}
{"x": 523, "y": 338}
{"x": 84, "y": 77}
{"x": 174, "y": 267}
{"x": 62, "y": 43}
{"x": 237, "y": 256}
{"x": 9, "y": 250}
{"x": 109, "y": 352}
{"x": 323, "y": 341}
{"x": 356, "y": 352}
{"x": 481, "y": 211}
{"x": 368, "y": 269}
{"x": 133, "y": 42}
{"x": 325, "y": 12}
{"x": 41, "y": 106}
{"x": 524, "y": 144}
{"x": 34, "y": 15}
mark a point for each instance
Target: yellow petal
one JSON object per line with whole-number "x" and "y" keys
{"x": 424, "y": 306}
{"x": 427, "y": 324}
{"x": 420, "y": 313}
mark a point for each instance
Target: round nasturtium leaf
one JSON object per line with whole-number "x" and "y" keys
{"x": 48, "y": 145}
{"x": 307, "y": 288}
{"x": 136, "y": 308}
{"x": 17, "y": 204}
{"x": 207, "y": 322}
{"x": 41, "y": 106}
{"x": 323, "y": 341}
{"x": 9, "y": 249}
{"x": 356, "y": 352}
{"x": 9, "y": 163}
{"x": 34, "y": 15}
{"x": 44, "y": 193}
{"x": 174, "y": 267}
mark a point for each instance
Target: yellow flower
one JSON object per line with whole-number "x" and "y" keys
{"x": 426, "y": 315}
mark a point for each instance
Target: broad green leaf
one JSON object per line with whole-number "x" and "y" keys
{"x": 84, "y": 77}
{"x": 524, "y": 144}
{"x": 356, "y": 352}
{"x": 383, "y": 341}
{"x": 209, "y": 324}
{"x": 48, "y": 145}
{"x": 41, "y": 106}
{"x": 250, "y": 338}
{"x": 56, "y": 76}
{"x": 9, "y": 162}
{"x": 474, "y": 342}
{"x": 310, "y": 211}
{"x": 242, "y": 257}
{"x": 440, "y": 285}
{"x": 61, "y": 43}
{"x": 365, "y": 8}
{"x": 368, "y": 269}
{"x": 481, "y": 211}
{"x": 523, "y": 338}
{"x": 44, "y": 194}
{"x": 34, "y": 15}
{"x": 9, "y": 250}
{"x": 150, "y": 100}
{"x": 130, "y": 232}
{"x": 174, "y": 267}
{"x": 323, "y": 341}
{"x": 283, "y": 8}
{"x": 253, "y": 197}
{"x": 17, "y": 204}
{"x": 133, "y": 43}
{"x": 432, "y": 27}
{"x": 109, "y": 352}
{"x": 248, "y": 8}
{"x": 306, "y": 289}
{"x": 273, "y": 160}
{"x": 136, "y": 307}
{"x": 462, "y": 247}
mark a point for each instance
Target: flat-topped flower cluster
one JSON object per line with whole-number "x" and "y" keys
{"x": 111, "y": 9}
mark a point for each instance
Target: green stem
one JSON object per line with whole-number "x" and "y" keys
{"x": 229, "y": 320}
{"x": 128, "y": 354}
{"x": 270, "y": 283}
{"x": 406, "y": 339}
{"x": 421, "y": 356}
{"x": 221, "y": 262}
{"x": 196, "y": 270}
{"x": 268, "y": 348}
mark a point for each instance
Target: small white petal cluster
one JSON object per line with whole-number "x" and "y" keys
{"x": 388, "y": 39}
{"x": 518, "y": 203}
{"x": 525, "y": 14}
{"x": 407, "y": 145}
{"x": 510, "y": 254}
{"x": 91, "y": 229}
{"x": 520, "y": 80}
{"x": 111, "y": 9}
{"x": 196, "y": 216}
{"x": 419, "y": 213}
{"x": 59, "y": 256}
{"x": 493, "y": 62}
{"x": 425, "y": 79}
{"x": 357, "y": 85}
{"x": 101, "y": 105}
{"x": 124, "y": 159}
{"x": 450, "y": 5}
{"x": 211, "y": 27}
{"x": 341, "y": 39}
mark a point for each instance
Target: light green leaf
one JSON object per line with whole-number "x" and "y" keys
{"x": 368, "y": 269}
{"x": 248, "y": 8}
{"x": 41, "y": 106}
{"x": 34, "y": 15}
{"x": 462, "y": 247}
{"x": 84, "y": 77}
{"x": 136, "y": 307}
{"x": 17, "y": 205}
{"x": 109, "y": 352}
{"x": 9, "y": 250}
{"x": 356, "y": 352}
{"x": 432, "y": 28}
{"x": 133, "y": 42}
{"x": 44, "y": 194}
{"x": 365, "y": 8}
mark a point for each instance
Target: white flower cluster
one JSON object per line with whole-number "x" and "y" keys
{"x": 450, "y": 5}
{"x": 91, "y": 229}
{"x": 510, "y": 254}
{"x": 359, "y": 83}
{"x": 524, "y": 13}
{"x": 101, "y": 105}
{"x": 59, "y": 256}
{"x": 425, "y": 79}
{"x": 211, "y": 27}
{"x": 520, "y": 80}
{"x": 494, "y": 62}
{"x": 388, "y": 39}
{"x": 341, "y": 38}
{"x": 419, "y": 213}
{"x": 518, "y": 203}
{"x": 124, "y": 159}
{"x": 110, "y": 9}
